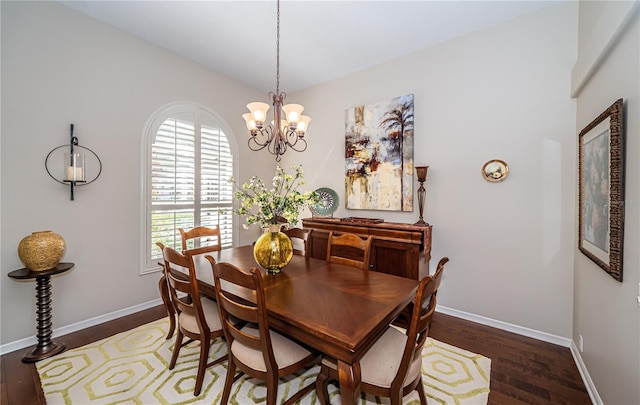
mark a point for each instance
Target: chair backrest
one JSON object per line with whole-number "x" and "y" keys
{"x": 349, "y": 249}
{"x": 299, "y": 236}
{"x": 161, "y": 246}
{"x": 183, "y": 282}
{"x": 202, "y": 242}
{"x": 227, "y": 279}
{"x": 424, "y": 307}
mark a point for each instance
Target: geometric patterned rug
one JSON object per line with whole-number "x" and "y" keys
{"x": 132, "y": 368}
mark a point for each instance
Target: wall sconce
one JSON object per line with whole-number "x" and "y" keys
{"x": 422, "y": 177}
{"x": 74, "y": 170}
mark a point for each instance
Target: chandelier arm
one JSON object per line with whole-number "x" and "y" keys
{"x": 298, "y": 141}
{"x": 266, "y": 134}
{"x": 291, "y": 137}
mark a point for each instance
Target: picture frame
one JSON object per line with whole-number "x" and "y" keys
{"x": 495, "y": 170}
{"x": 601, "y": 190}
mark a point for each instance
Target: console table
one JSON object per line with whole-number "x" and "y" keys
{"x": 45, "y": 347}
{"x": 397, "y": 248}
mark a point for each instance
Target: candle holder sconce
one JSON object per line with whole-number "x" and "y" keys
{"x": 421, "y": 171}
{"x": 75, "y": 172}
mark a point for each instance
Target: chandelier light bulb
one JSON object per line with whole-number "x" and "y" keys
{"x": 293, "y": 112}
{"x": 258, "y": 112}
{"x": 303, "y": 124}
{"x": 251, "y": 124}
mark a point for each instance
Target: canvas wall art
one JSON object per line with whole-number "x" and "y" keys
{"x": 379, "y": 155}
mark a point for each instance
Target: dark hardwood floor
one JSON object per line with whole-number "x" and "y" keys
{"x": 523, "y": 370}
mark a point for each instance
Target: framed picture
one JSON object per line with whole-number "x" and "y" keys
{"x": 495, "y": 170}
{"x": 379, "y": 155}
{"x": 601, "y": 190}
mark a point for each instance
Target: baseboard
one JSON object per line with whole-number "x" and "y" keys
{"x": 520, "y": 330}
{"x": 31, "y": 341}
{"x": 584, "y": 373}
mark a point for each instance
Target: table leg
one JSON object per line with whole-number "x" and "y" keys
{"x": 164, "y": 293}
{"x": 45, "y": 347}
{"x": 349, "y": 377}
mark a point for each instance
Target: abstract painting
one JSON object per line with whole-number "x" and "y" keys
{"x": 379, "y": 155}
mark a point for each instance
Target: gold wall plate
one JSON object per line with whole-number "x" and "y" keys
{"x": 495, "y": 170}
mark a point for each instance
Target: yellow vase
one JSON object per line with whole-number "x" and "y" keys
{"x": 273, "y": 250}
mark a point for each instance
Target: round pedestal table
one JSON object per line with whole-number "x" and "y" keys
{"x": 45, "y": 347}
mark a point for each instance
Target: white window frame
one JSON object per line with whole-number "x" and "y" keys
{"x": 147, "y": 265}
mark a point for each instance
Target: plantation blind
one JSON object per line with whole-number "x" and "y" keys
{"x": 191, "y": 162}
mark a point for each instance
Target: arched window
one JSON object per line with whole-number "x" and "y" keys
{"x": 188, "y": 161}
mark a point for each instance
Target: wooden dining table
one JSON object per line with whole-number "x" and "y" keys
{"x": 338, "y": 310}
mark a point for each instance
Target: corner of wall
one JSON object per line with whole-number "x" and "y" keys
{"x": 615, "y": 19}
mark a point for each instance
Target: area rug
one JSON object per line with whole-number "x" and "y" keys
{"x": 131, "y": 368}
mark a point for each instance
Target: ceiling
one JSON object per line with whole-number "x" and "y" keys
{"x": 319, "y": 40}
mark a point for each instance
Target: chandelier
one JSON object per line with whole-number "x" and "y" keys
{"x": 284, "y": 131}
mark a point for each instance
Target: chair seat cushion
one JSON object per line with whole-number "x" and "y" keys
{"x": 285, "y": 351}
{"x": 380, "y": 363}
{"x": 211, "y": 315}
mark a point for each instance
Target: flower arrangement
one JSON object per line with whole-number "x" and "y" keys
{"x": 267, "y": 206}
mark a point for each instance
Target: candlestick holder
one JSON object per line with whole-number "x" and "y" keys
{"x": 73, "y": 164}
{"x": 422, "y": 177}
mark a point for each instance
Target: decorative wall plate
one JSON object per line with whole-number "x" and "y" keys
{"x": 328, "y": 203}
{"x": 495, "y": 170}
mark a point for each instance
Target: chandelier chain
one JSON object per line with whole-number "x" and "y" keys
{"x": 278, "y": 50}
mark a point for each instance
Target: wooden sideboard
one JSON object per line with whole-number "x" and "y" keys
{"x": 397, "y": 248}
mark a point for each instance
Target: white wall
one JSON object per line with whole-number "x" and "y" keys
{"x": 61, "y": 67}
{"x": 499, "y": 93}
{"x": 605, "y": 311}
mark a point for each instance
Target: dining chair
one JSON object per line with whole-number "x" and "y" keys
{"x": 392, "y": 366}
{"x": 198, "y": 240}
{"x": 198, "y": 317}
{"x": 349, "y": 249}
{"x": 254, "y": 349}
{"x": 163, "y": 285}
{"x": 300, "y": 238}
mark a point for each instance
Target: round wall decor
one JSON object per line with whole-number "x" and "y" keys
{"x": 495, "y": 170}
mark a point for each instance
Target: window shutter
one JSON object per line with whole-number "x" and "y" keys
{"x": 190, "y": 165}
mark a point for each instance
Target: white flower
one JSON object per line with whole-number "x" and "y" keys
{"x": 283, "y": 201}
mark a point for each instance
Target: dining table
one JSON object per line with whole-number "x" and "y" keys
{"x": 335, "y": 309}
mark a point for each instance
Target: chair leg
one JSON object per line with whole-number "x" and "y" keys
{"x": 420, "y": 389}
{"x": 396, "y": 398}
{"x": 164, "y": 293}
{"x": 176, "y": 349}
{"x": 322, "y": 384}
{"x": 272, "y": 389}
{"x": 228, "y": 382}
{"x": 202, "y": 365}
